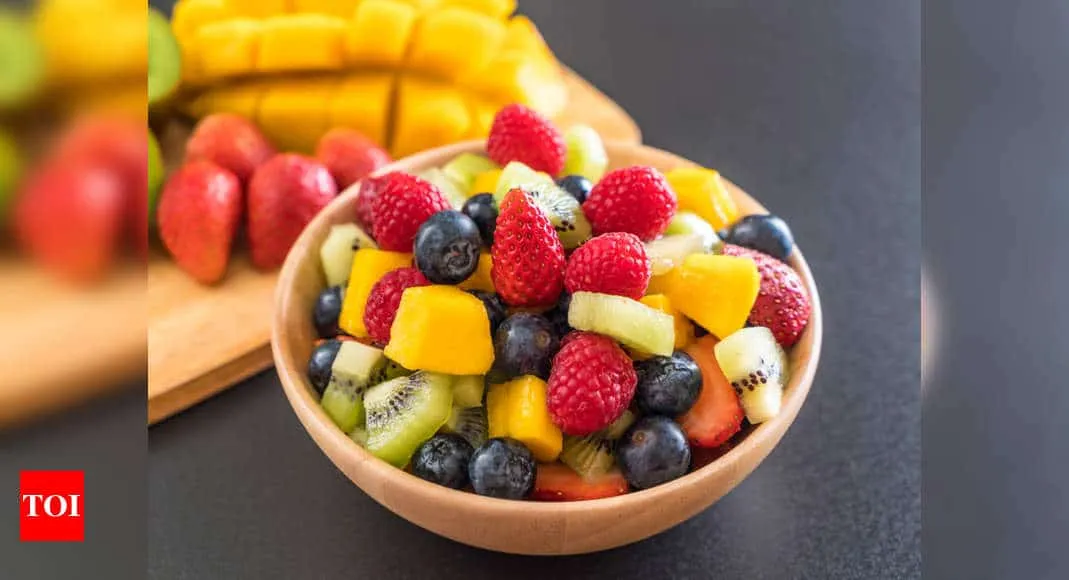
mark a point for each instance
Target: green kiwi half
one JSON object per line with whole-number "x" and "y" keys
{"x": 350, "y": 376}
{"x": 470, "y": 423}
{"x": 593, "y": 455}
{"x": 405, "y": 412}
{"x": 563, "y": 210}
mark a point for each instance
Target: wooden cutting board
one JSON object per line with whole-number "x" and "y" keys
{"x": 202, "y": 340}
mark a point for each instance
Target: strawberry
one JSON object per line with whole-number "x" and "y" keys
{"x": 403, "y": 204}
{"x": 284, "y": 195}
{"x": 527, "y": 256}
{"x": 634, "y": 199}
{"x": 232, "y": 142}
{"x": 717, "y": 415}
{"x": 613, "y": 263}
{"x": 522, "y": 134}
{"x": 349, "y": 155}
{"x": 199, "y": 213}
{"x": 556, "y": 482}
{"x": 782, "y": 304}
{"x": 384, "y": 299}
{"x": 591, "y": 384}
{"x": 370, "y": 187}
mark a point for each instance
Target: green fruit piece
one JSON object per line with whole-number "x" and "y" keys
{"x": 564, "y": 212}
{"x": 669, "y": 252}
{"x": 10, "y": 169}
{"x": 592, "y": 456}
{"x": 516, "y": 174}
{"x": 586, "y": 153}
{"x": 21, "y": 62}
{"x": 632, "y": 323}
{"x": 468, "y": 390}
{"x": 405, "y": 412}
{"x": 688, "y": 222}
{"x": 470, "y": 423}
{"x": 390, "y": 371}
{"x": 359, "y": 435}
{"x": 155, "y": 176}
{"x": 350, "y": 376}
{"x": 164, "y": 58}
{"x": 757, "y": 368}
{"x": 337, "y": 251}
{"x": 454, "y": 193}
{"x": 464, "y": 168}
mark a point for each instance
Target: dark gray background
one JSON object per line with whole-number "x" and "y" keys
{"x": 814, "y": 108}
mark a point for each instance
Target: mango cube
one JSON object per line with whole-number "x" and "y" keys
{"x": 481, "y": 280}
{"x": 190, "y": 15}
{"x": 302, "y": 42}
{"x": 427, "y": 114}
{"x": 717, "y": 292}
{"x": 702, "y": 191}
{"x": 228, "y": 48}
{"x": 441, "y": 329}
{"x": 259, "y": 8}
{"x": 369, "y": 266}
{"x": 362, "y": 102}
{"x": 293, "y": 112}
{"x": 684, "y": 329}
{"x": 340, "y": 8}
{"x": 453, "y": 41}
{"x": 517, "y": 409}
{"x": 485, "y": 182}
{"x": 499, "y": 9}
{"x": 379, "y": 33}
{"x": 241, "y": 99}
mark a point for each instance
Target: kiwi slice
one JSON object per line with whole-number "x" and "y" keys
{"x": 155, "y": 176}
{"x": 359, "y": 434}
{"x": 756, "y": 366}
{"x": 470, "y": 423}
{"x": 463, "y": 169}
{"x": 586, "y": 153}
{"x": 454, "y": 192}
{"x": 560, "y": 207}
{"x": 628, "y": 321}
{"x": 338, "y": 250}
{"x": 468, "y": 390}
{"x": 592, "y": 456}
{"x": 405, "y": 412}
{"x": 164, "y": 58}
{"x": 688, "y": 222}
{"x": 350, "y": 376}
{"x": 516, "y": 174}
{"x": 389, "y": 371}
{"x": 21, "y": 62}
{"x": 669, "y": 252}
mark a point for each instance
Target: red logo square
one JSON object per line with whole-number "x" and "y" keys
{"x": 51, "y": 506}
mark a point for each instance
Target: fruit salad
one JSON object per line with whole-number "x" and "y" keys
{"x": 525, "y": 324}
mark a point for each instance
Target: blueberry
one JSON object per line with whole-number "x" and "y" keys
{"x": 447, "y": 247}
{"x": 558, "y": 316}
{"x": 667, "y": 385}
{"x": 652, "y": 452}
{"x": 443, "y": 459}
{"x": 482, "y": 209}
{"x": 764, "y": 233}
{"x": 326, "y": 312}
{"x": 502, "y": 468}
{"x": 320, "y": 362}
{"x": 578, "y": 186}
{"x": 525, "y": 345}
{"x": 496, "y": 310}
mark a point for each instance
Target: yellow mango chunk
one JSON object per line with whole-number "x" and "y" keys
{"x": 241, "y": 99}
{"x": 658, "y": 284}
{"x": 514, "y": 77}
{"x": 340, "y": 8}
{"x": 362, "y": 102}
{"x": 684, "y": 329}
{"x": 452, "y": 42}
{"x": 293, "y": 113}
{"x": 369, "y": 266}
{"x": 485, "y": 182}
{"x": 499, "y": 9}
{"x": 715, "y": 291}
{"x": 259, "y": 8}
{"x": 523, "y": 36}
{"x": 427, "y": 114}
{"x": 480, "y": 280}
{"x": 482, "y": 117}
{"x": 517, "y": 409}
{"x": 302, "y": 42}
{"x": 702, "y": 191}
{"x": 379, "y": 33}
{"x": 228, "y": 48}
{"x": 441, "y": 329}
{"x": 190, "y": 15}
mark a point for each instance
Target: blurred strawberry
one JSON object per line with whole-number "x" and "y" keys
{"x": 350, "y": 156}
{"x": 284, "y": 195}
{"x": 232, "y": 142}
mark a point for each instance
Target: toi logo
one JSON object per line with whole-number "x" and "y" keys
{"x": 50, "y": 506}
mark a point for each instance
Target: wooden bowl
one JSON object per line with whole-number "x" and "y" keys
{"x": 521, "y": 527}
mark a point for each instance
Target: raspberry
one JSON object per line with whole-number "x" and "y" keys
{"x": 403, "y": 204}
{"x": 524, "y": 135}
{"x": 613, "y": 263}
{"x": 782, "y": 304}
{"x": 528, "y": 258}
{"x": 635, "y": 199}
{"x": 369, "y": 191}
{"x": 591, "y": 384}
{"x": 384, "y": 299}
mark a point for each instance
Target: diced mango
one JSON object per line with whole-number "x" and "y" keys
{"x": 379, "y": 33}
{"x": 514, "y": 77}
{"x": 369, "y": 266}
{"x": 684, "y": 329}
{"x": 452, "y": 42}
{"x": 485, "y": 182}
{"x": 293, "y": 112}
{"x": 241, "y": 99}
{"x": 441, "y": 329}
{"x": 340, "y": 8}
{"x": 228, "y": 48}
{"x": 499, "y": 9}
{"x": 702, "y": 191}
{"x": 658, "y": 284}
{"x": 482, "y": 117}
{"x": 427, "y": 114}
{"x": 715, "y": 291}
{"x": 190, "y": 15}
{"x": 302, "y": 42}
{"x": 259, "y": 8}
{"x": 480, "y": 280}
{"x": 517, "y": 409}
{"x": 523, "y": 37}
{"x": 362, "y": 102}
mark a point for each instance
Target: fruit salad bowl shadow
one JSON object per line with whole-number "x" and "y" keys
{"x": 521, "y": 527}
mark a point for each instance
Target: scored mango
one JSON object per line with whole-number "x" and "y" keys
{"x": 321, "y": 39}
{"x": 517, "y": 409}
{"x": 441, "y": 329}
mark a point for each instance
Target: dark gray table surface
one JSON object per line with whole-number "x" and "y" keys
{"x": 814, "y": 108}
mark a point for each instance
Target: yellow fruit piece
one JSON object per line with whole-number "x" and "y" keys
{"x": 243, "y": 99}
{"x": 228, "y": 48}
{"x": 517, "y": 409}
{"x": 259, "y": 8}
{"x": 515, "y": 77}
{"x": 480, "y": 280}
{"x": 293, "y": 113}
{"x": 658, "y": 284}
{"x": 683, "y": 328}
{"x": 702, "y": 191}
{"x": 523, "y": 36}
{"x": 87, "y": 45}
{"x": 190, "y": 15}
{"x": 452, "y": 42}
{"x": 427, "y": 114}
{"x": 499, "y": 9}
{"x": 441, "y": 329}
{"x": 369, "y": 266}
{"x": 379, "y": 33}
{"x": 715, "y": 291}
{"x": 340, "y": 8}
{"x": 485, "y": 182}
{"x": 302, "y": 42}
{"x": 362, "y": 102}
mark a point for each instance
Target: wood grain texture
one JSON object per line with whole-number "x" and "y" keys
{"x": 204, "y": 339}
{"x": 515, "y": 526}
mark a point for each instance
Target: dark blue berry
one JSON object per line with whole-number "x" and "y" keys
{"x": 558, "y": 316}
{"x": 496, "y": 310}
{"x": 653, "y": 451}
{"x": 320, "y": 362}
{"x": 525, "y": 345}
{"x": 326, "y": 312}
{"x": 482, "y": 209}
{"x": 447, "y": 247}
{"x": 764, "y": 233}
{"x": 578, "y": 186}
{"x": 443, "y": 459}
{"x": 502, "y": 468}
{"x": 667, "y": 385}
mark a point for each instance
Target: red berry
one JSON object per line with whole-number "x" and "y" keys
{"x": 782, "y": 304}
{"x": 369, "y": 191}
{"x": 613, "y": 263}
{"x": 384, "y": 299}
{"x": 403, "y": 204}
{"x": 528, "y": 258}
{"x": 717, "y": 415}
{"x": 635, "y": 199}
{"x": 556, "y": 482}
{"x": 591, "y": 384}
{"x": 522, "y": 134}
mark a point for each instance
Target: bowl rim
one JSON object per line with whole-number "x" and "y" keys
{"x": 318, "y": 424}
